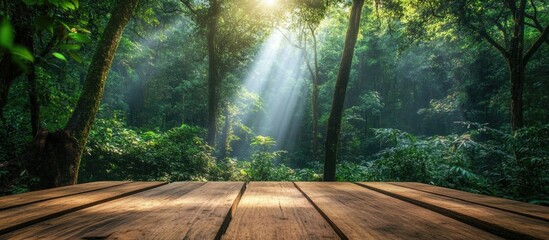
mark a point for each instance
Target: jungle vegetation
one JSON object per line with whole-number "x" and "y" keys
{"x": 446, "y": 92}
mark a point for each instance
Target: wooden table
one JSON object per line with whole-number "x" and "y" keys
{"x": 266, "y": 210}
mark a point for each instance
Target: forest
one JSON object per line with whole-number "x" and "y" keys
{"x": 447, "y": 92}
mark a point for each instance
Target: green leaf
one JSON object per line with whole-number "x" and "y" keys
{"x": 22, "y": 53}
{"x": 66, "y": 5}
{"x": 59, "y": 55}
{"x": 6, "y": 35}
{"x": 84, "y": 30}
{"x": 75, "y": 57}
{"x": 79, "y": 37}
{"x": 76, "y": 4}
{"x": 69, "y": 46}
{"x": 66, "y": 26}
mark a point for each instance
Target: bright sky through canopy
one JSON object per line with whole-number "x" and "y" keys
{"x": 269, "y": 3}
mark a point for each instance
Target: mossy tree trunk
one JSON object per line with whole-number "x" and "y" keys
{"x": 55, "y": 157}
{"x": 334, "y": 120}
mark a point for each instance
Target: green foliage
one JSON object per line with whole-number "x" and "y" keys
{"x": 263, "y": 165}
{"x": 411, "y": 71}
{"x": 483, "y": 160}
{"x": 118, "y": 153}
{"x": 20, "y": 54}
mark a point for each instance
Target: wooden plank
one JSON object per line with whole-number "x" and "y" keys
{"x": 182, "y": 210}
{"x": 277, "y": 210}
{"x": 18, "y": 217}
{"x": 42, "y": 195}
{"x": 502, "y": 223}
{"x": 530, "y": 210}
{"x": 361, "y": 213}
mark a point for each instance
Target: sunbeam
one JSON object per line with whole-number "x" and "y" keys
{"x": 278, "y": 78}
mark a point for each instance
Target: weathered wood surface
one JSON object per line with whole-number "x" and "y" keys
{"x": 183, "y": 210}
{"x": 503, "y": 223}
{"x": 42, "y": 195}
{"x": 365, "y": 214}
{"x": 277, "y": 210}
{"x": 266, "y": 210}
{"x": 18, "y": 217}
{"x": 521, "y": 208}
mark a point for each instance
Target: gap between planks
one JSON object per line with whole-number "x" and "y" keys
{"x": 505, "y": 230}
{"x": 21, "y": 222}
{"x": 526, "y": 214}
{"x": 332, "y": 224}
{"x": 12, "y": 201}
{"x": 231, "y": 213}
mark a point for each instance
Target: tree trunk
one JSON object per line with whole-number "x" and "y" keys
{"x": 315, "y": 112}
{"x": 213, "y": 73}
{"x": 57, "y": 155}
{"x": 314, "y": 101}
{"x": 334, "y": 120}
{"x": 33, "y": 101}
{"x": 223, "y": 152}
{"x": 8, "y": 72}
{"x": 517, "y": 85}
{"x": 517, "y": 67}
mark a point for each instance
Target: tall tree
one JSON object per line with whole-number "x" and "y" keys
{"x": 208, "y": 19}
{"x": 55, "y": 158}
{"x": 507, "y": 25}
{"x": 334, "y": 120}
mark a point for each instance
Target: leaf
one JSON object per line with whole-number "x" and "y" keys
{"x": 22, "y": 53}
{"x": 69, "y": 46}
{"x": 59, "y": 55}
{"x": 6, "y": 35}
{"x": 66, "y": 26}
{"x": 75, "y": 57}
{"x": 84, "y": 30}
{"x": 79, "y": 37}
{"x": 66, "y": 5}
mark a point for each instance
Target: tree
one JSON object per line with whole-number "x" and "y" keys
{"x": 311, "y": 13}
{"x": 208, "y": 20}
{"x": 229, "y": 28}
{"x": 506, "y": 25}
{"x": 55, "y": 157}
{"x": 334, "y": 120}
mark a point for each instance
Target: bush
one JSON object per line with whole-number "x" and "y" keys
{"x": 115, "y": 152}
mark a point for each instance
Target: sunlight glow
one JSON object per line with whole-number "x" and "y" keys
{"x": 269, "y": 3}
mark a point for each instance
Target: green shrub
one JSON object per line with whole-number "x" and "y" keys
{"x": 115, "y": 152}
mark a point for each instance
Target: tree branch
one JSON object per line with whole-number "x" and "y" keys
{"x": 190, "y": 7}
{"x": 494, "y": 43}
{"x": 542, "y": 38}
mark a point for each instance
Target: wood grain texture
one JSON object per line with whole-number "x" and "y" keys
{"x": 502, "y": 223}
{"x": 42, "y": 195}
{"x": 361, "y": 213}
{"x": 531, "y": 210}
{"x": 18, "y": 217}
{"x": 182, "y": 210}
{"x": 277, "y": 210}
